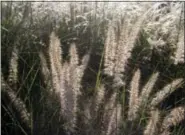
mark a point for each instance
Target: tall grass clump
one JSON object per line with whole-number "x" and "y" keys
{"x": 92, "y": 68}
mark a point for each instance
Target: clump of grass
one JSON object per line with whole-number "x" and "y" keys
{"x": 10, "y": 90}
{"x": 62, "y": 95}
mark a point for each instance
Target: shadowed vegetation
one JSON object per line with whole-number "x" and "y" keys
{"x": 92, "y": 68}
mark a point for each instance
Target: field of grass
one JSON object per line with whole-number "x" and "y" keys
{"x": 92, "y": 68}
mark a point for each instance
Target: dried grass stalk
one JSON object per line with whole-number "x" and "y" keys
{"x": 148, "y": 88}
{"x": 168, "y": 89}
{"x": 13, "y": 69}
{"x": 151, "y": 127}
{"x": 17, "y": 103}
{"x": 115, "y": 119}
{"x": 55, "y": 55}
{"x": 134, "y": 96}
{"x": 179, "y": 54}
{"x": 99, "y": 96}
{"x": 110, "y": 51}
{"x": 174, "y": 117}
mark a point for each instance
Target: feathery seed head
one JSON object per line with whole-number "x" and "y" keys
{"x": 111, "y": 101}
{"x": 114, "y": 122}
{"x": 18, "y": 104}
{"x": 44, "y": 67}
{"x": 174, "y": 117}
{"x": 64, "y": 85}
{"x": 134, "y": 96}
{"x": 110, "y": 51}
{"x": 168, "y": 89}
{"x": 152, "y": 124}
{"x": 148, "y": 87}
{"x": 179, "y": 54}
{"x": 122, "y": 50}
{"x": 74, "y": 55}
{"x": 13, "y": 69}
{"x": 85, "y": 60}
{"x": 55, "y": 50}
{"x": 83, "y": 66}
{"x": 100, "y": 96}
{"x": 55, "y": 56}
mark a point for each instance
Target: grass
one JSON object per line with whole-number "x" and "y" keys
{"x": 68, "y": 81}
